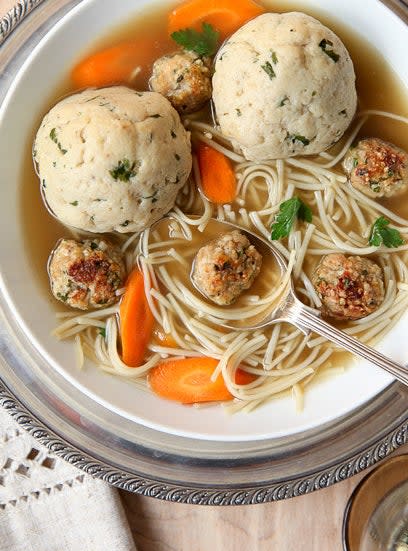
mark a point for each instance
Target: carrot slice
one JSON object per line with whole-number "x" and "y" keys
{"x": 189, "y": 380}
{"x": 218, "y": 181}
{"x": 136, "y": 320}
{"x": 226, "y": 16}
{"x": 114, "y": 65}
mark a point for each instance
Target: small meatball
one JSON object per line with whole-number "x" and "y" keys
{"x": 184, "y": 79}
{"x": 377, "y": 168}
{"x": 86, "y": 274}
{"x": 350, "y": 287}
{"x": 226, "y": 267}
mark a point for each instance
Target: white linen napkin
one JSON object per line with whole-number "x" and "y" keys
{"x": 46, "y": 504}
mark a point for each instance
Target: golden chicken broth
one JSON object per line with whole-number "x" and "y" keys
{"x": 378, "y": 87}
{"x": 267, "y": 280}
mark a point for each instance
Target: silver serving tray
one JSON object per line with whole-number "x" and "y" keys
{"x": 152, "y": 463}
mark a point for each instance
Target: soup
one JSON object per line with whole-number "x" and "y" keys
{"x": 185, "y": 324}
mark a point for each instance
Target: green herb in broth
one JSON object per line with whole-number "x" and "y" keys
{"x": 42, "y": 230}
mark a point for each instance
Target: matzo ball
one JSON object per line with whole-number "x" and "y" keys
{"x": 112, "y": 159}
{"x": 284, "y": 85}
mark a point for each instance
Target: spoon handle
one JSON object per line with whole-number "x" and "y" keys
{"x": 303, "y": 318}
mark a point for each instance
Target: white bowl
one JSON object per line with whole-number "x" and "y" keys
{"x": 26, "y": 101}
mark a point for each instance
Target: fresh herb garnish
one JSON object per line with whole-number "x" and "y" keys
{"x": 53, "y": 136}
{"x": 102, "y": 332}
{"x": 274, "y": 58}
{"x": 289, "y": 211}
{"x": 124, "y": 171}
{"x": 381, "y": 234}
{"x": 202, "y": 43}
{"x": 331, "y": 53}
{"x": 74, "y": 203}
{"x": 283, "y": 101}
{"x": 268, "y": 70}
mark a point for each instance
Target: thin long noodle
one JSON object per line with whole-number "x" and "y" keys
{"x": 279, "y": 356}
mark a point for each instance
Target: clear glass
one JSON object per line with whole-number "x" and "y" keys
{"x": 387, "y": 528}
{"x": 376, "y": 517}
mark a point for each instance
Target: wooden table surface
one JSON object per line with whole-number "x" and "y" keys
{"x": 308, "y": 523}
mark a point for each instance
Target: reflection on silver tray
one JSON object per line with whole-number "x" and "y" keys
{"x": 159, "y": 465}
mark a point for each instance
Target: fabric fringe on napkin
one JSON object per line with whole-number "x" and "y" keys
{"x": 46, "y": 504}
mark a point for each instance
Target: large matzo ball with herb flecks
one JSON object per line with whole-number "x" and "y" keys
{"x": 284, "y": 85}
{"x": 112, "y": 159}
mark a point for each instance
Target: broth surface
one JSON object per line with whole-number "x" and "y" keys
{"x": 42, "y": 230}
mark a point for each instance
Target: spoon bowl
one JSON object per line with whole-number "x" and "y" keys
{"x": 288, "y": 308}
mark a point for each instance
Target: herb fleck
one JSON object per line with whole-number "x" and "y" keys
{"x": 268, "y": 70}
{"x": 283, "y": 101}
{"x": 173, "y": 134}
{"x": 93, "y": 245}
{"x": 102, "y": 332}
{"x": 355, "y": 162}
{"x": 239, "y": 114}
{"x": 298, "y": 138}
{"x": 124, "y": 170}
{"x": 153, "y": 197}
{"x": 74, "y": 203}
{"x": 374, "y": 185}
{"x": 274, "y": 58}
{"x": 125, "y": 223}
{"x": 331, "y": 53}
{"x": 53, "y": 136}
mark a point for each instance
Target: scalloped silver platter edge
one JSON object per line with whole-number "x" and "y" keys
{"x": 144, "y": 461}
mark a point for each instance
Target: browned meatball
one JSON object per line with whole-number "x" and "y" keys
{"x": 377, "y": 168}
{"x": 226, "y": 267}
{"x": 184, "y": 79}
{"x": 350, "y": 287}
{"x": 86, "y": 274}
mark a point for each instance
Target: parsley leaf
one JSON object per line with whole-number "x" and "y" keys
{"x": 331, "y": 53}
{"x": 202, "y": 43}
{"x": 381, "y": 234}
{"x": 289, "y": 211}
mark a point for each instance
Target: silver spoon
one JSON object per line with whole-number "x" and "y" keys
{"x": 290, "y": 309}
